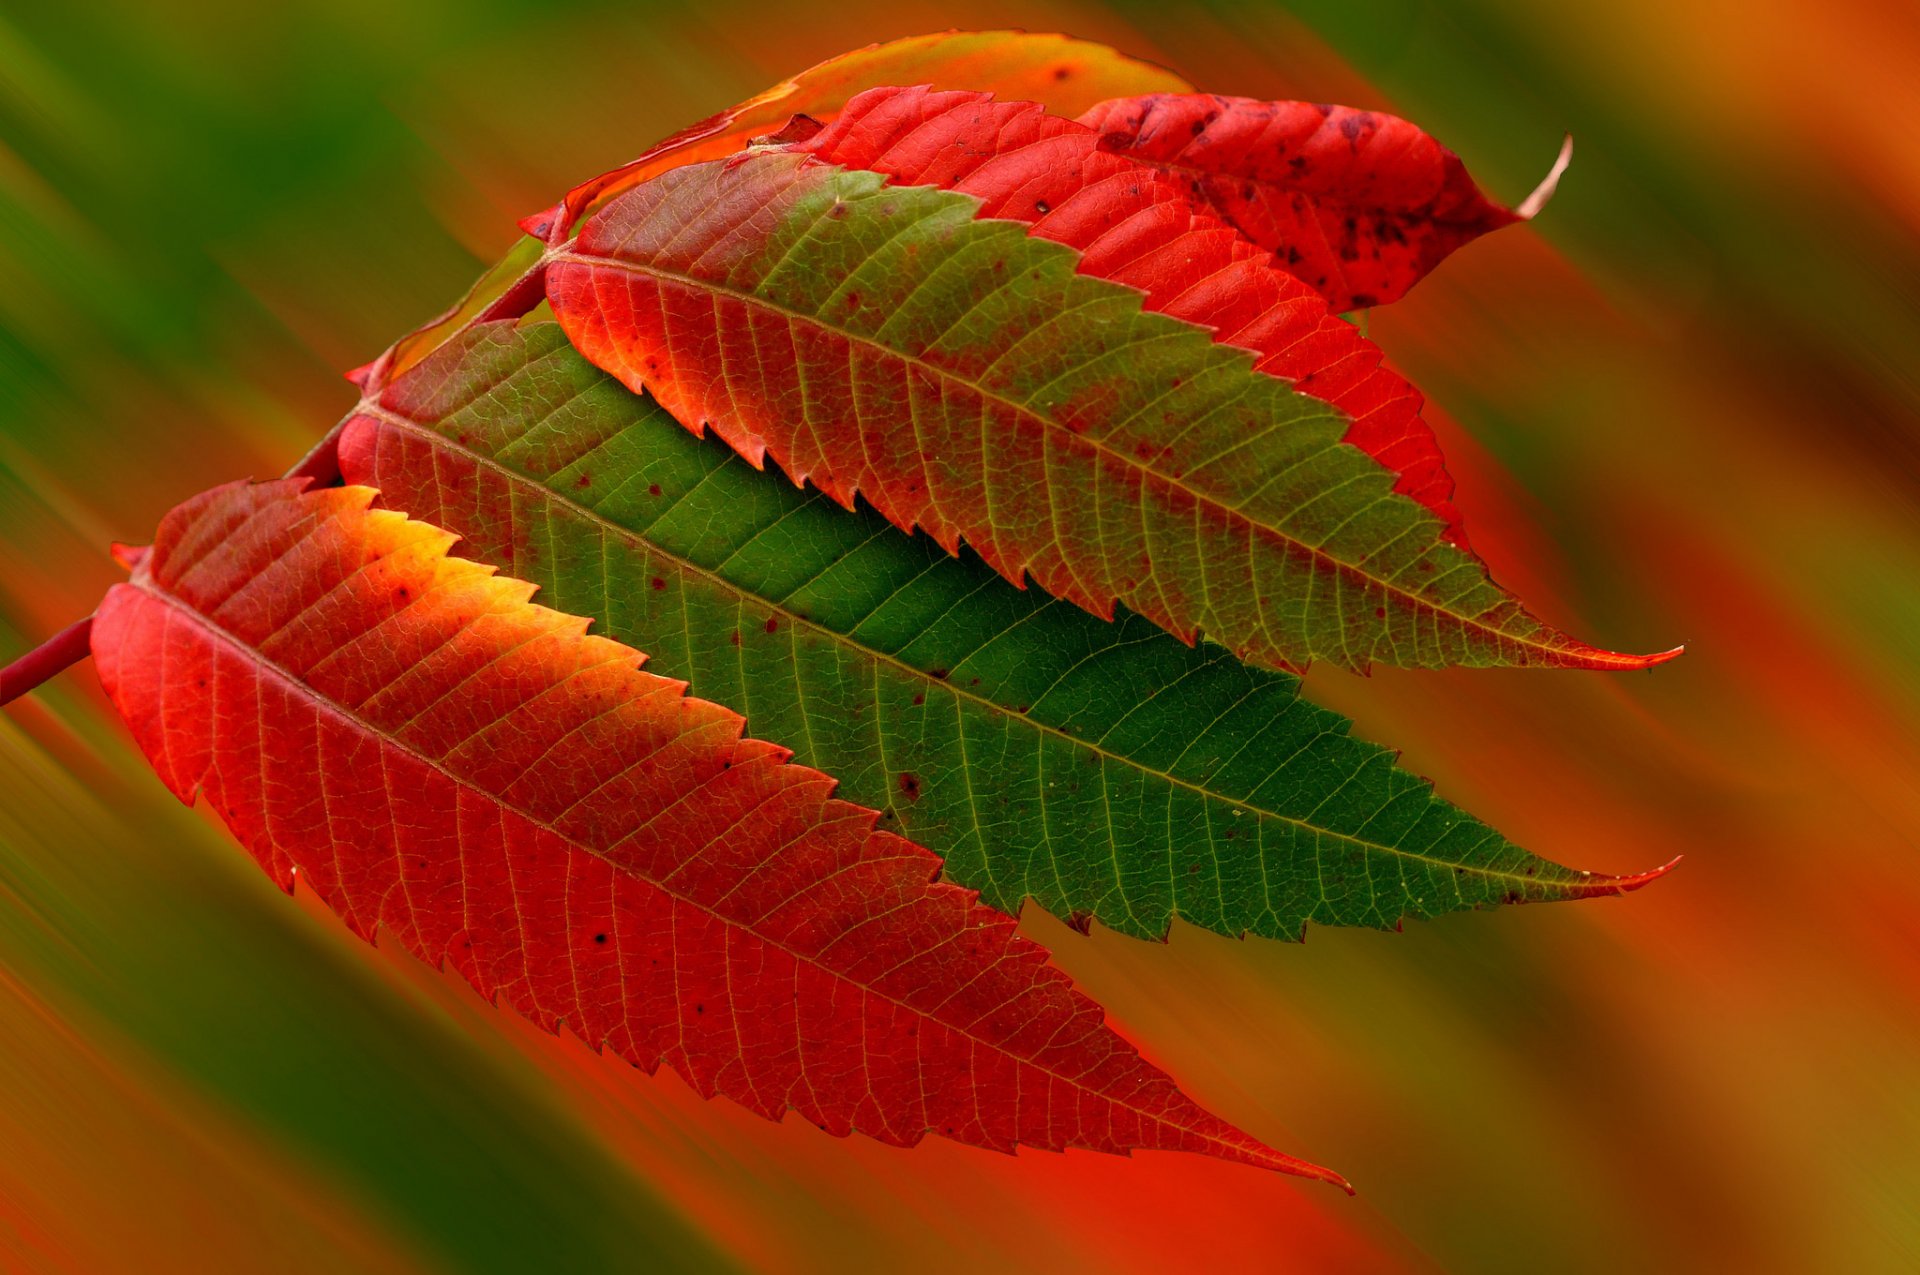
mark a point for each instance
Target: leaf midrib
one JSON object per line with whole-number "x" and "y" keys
{"x": 435, "y": 438}
{"x": 144, "y": 583}
{"x": 569, "y": 254}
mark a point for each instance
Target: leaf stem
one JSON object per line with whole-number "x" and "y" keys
{"x": 66, "y": 648}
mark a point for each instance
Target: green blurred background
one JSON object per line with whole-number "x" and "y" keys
{"x": 1681, "y": 406}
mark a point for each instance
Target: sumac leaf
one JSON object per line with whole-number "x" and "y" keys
{"x": 437, "y": 757}
{"x": 1104, "y": 770}
{"x": 1359, "y": 204}
{"x": 966, "y": 378}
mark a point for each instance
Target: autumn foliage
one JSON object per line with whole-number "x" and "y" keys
{"x": 966, "y": 437}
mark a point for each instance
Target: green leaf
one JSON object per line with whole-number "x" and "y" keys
{"x": 964, "y": 377}
{"x": 1105, "y": 770}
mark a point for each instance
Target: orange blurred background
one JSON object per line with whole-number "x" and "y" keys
{"x": 1681, "y": 406}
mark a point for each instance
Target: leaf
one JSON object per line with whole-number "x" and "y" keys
{"x": 437, "y": 757}
{"x": 1067, "y": 74}
{"x": 1359, "y": 204}
{"x": 962, "y": 376}
{"x": 1104, "y": 770}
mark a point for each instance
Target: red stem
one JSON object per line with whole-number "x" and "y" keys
{"x": 67, "y": 647}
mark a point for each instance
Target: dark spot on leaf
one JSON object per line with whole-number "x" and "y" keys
{"x": 658, "y": 584}
{"x": 736, "y": 637}
{"x": 586, "y": 480}
{"x": 653, "y": 489}
{"x": 919, "y": 700}
{"x": 773, "y": 624}
{"x": 599, "y": 938}
{"x": 939, "y": 673}
{"x": 910, "y": 785}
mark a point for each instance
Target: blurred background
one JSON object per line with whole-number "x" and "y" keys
{"x": 1681, "y": 407}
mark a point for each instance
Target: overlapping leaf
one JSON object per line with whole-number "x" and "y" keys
{"x": 965, "y": 377}
{"x": 1104, "y": 770}
{"x": 1359, "y": 204}
{"x": 438, "y": 758}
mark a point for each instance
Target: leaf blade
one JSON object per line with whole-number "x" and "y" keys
{"x": 814, "y": 309}
{"x": 441, "y": 759}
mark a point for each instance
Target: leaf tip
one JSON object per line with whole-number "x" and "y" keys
{"x": 1319, "y": 1174}
{"x": 1529, "y": 208}
{"x": 1628, "y": 884}
{"x": 1582, "y": 656}
{"x": 1601, "y": 885}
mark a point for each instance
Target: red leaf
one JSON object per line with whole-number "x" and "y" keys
{"x": 1135, "y": 228}
{"x": 1359, "y": 204}
{"x": 440, "y": 758}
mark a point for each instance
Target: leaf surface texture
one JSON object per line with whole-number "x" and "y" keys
{"x": 439, "y": 758}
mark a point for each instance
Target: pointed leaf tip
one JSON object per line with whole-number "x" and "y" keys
{"x": 1529, "y": 208}
{"x": 1578, "y": 655}
{"x": 1602, "y": 885}
{"x": 1628, "y": 884}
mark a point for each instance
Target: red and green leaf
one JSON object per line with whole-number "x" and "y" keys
{"x": 972, "y": 379}
{"x": 1104, "y": 770}
{"x": 1359, "y": 204}
{"x": 437, "y": 757}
